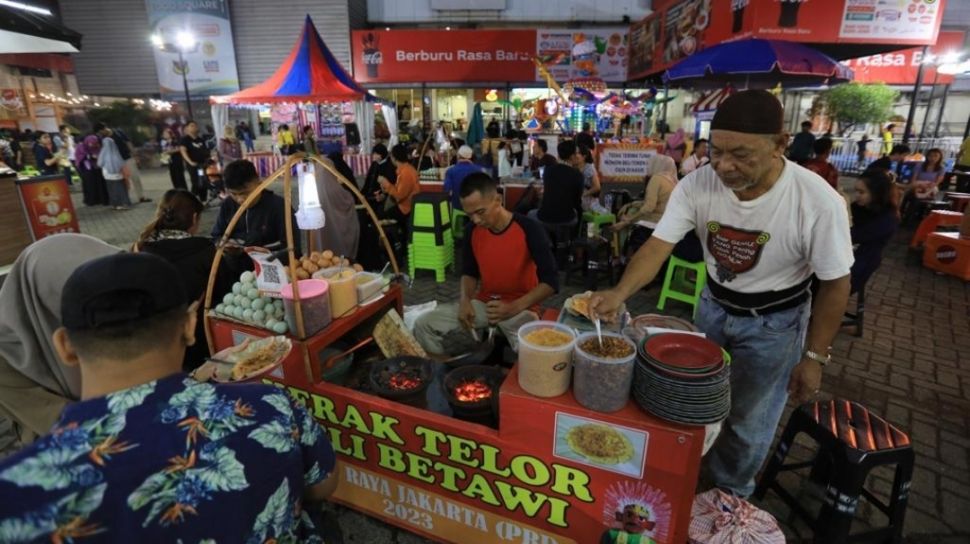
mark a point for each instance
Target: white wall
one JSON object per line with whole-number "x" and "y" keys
{"x": 516, "y": 11}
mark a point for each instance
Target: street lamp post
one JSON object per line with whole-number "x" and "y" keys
{"x": 185, "y": 83}
{"x": 185, "y": 42}
{"x": 912, "y": 104}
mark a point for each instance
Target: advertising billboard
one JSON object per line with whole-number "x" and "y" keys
{"x": 210, "y": 65}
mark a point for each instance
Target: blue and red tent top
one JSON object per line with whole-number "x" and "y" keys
{"x": 309, "y": 74}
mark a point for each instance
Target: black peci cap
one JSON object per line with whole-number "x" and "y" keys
{"x": 752, "y": 112}
{"x": 145, "y": 285}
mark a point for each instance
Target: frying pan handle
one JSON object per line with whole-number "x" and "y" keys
{"x": 332, "y": 360}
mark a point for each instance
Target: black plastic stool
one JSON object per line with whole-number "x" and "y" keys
{"x": 591, "y": 257}
{"x": 561, "y": 236}
{"x": 852, "y": 441}
{"x": 857, "y": 319}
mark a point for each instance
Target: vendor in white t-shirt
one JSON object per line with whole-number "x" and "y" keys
{"x": 696, "y": 159}
{"x": 767, "y": 226}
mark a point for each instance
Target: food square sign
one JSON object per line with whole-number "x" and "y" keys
{"x": 210, "y": 67}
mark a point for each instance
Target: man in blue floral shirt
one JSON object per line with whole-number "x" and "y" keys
{"x": 150, "y": 454}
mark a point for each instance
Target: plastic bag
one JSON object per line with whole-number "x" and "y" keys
{"x": 720, "y": 518}
{"x": 412, "y": 313}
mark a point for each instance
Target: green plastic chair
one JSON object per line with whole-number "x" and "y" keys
{"x": 599, "y": 219}
{"x": 424, "y": 213}
{"x": 678, "y": 287}
{"x": 437, "y": 260}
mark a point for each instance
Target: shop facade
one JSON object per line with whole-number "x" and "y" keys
{"x": 37, "y": 91}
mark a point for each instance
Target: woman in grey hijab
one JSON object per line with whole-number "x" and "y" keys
{"x": 34, "y": 384}
{"x": 342, "y": 230}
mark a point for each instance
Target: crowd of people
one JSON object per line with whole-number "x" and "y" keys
{"x": 96, "y": 342}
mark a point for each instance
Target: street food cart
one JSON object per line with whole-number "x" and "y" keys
{"x": 506, "y": 467}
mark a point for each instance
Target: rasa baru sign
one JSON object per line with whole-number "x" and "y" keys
{"x": 210, "y": 66}
{"x": 441, "y": 55}
{"x": 468, "y": 56}
{"x": 901, "y": 67}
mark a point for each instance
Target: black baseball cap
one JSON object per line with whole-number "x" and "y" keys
{"x": 146, "y": 285}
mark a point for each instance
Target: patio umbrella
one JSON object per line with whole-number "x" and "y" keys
{"x": 476, "y": 127}
{"x": 756, "y": 63}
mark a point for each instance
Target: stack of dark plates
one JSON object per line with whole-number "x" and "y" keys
{"x": 644, "y": 325}
{"x": 645, "y": 321}
{"x": 683, "y": 378}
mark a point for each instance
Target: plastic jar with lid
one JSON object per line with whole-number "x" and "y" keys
{"x": 545, "y": 357}
{"x": 314, "y": 302}
{"x": 343, "y": 292}
{"x": 602, "y": 376}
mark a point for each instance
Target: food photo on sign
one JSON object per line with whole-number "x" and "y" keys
{"x": 603, "y": 445}
{"x": 593, "y": 53}
{"x": 684, "y": 28}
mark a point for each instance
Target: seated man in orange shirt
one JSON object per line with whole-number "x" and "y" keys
{"x": 507, "y": 270}
{"x": 401, "y": 192}
{"x": 404, "y": 188}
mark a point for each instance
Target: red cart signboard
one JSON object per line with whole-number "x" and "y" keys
{"x": 552, "y": 473}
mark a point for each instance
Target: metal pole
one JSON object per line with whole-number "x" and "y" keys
{"x": 939, "y": 114}
{"x": 185, "y": 83}
{"x": 664, "y": 111}
{"x": 966, "y": 131}
{"x": 912, "y": 104}
{"x": 929, "y": 106}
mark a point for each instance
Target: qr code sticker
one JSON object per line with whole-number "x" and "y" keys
{"x": 271, "y": 274}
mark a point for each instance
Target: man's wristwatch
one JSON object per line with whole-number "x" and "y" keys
{"x": 817, "y": 357}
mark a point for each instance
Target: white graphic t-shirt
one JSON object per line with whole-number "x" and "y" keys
{"x": 773, "y": 242}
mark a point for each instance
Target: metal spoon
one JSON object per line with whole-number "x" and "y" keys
{"x": 599, "y": 330}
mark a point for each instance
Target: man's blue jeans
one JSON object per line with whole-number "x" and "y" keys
{"x": 763, "y": 349}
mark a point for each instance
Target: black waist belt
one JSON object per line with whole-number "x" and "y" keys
{"x": 763, "y": 303}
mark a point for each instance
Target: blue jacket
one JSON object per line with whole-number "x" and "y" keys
{"x": 455, "y": 175}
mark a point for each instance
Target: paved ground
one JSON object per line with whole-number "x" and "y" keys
{"x": 911, "y": 365}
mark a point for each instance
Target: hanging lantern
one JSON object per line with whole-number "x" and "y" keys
{"x": 310, "y": 215}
